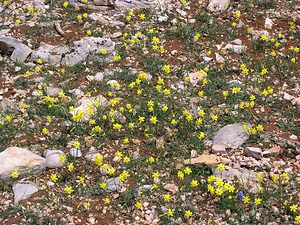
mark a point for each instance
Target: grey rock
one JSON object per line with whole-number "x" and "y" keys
{"x": 253, "y": 152}
{"x": 88, "y": 48}
{"x": 218, "y": 148}
{"x": 53, "y": 158}
{"x": 218, "y": 5}
{"x": 20, "y": 52}
{"x": 238, "y": 49}
{"x": 231, "y": 136}
{"x": 113, "y": 184}
{"x": 246, "y": 177}
{"x": 21, "y": 160}
{"x": 49, "y": 53}
{"x": 23, "y": 190}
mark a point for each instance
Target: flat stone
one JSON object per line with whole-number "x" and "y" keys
{"x": 21, "y": 160}
{"x": 232, "y": 136}
{"x": 253, "y": 152}
{"x": 23, "y": 190}
{"x": 20, "y": 52}
{"x": 172, "y": 188}
{"x": 207, "y": 159}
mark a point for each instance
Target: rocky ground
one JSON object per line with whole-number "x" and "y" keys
{"x": 149, "y": 112}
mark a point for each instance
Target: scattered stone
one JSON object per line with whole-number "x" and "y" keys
{"x": 53, "y": 158}
{"x": 293, "y": 137}
{"x": 21, "y": 160}
{"x": 99, "y": 76}
{"x": 86, "y": 104}
{"x": 19, "y": 52}
{"x": 231, "y": 136}
{"x": 23, "y": 190}
{"x": 219, "y": 58}
{"x": 75, "y": 152}
{"x": 162, "y": 19}
{"x": 197, "y": 76}
{"x": 253, "y": 152}
{"x": 218, "y": 5}
{"x": 268, "y": 23}
{"x": 276, "y": 150}
{"x": 172, "y": 188}
{"x": 52, "y": 91}
{"x": 113, "y": 184}
{"x": 287, "y": 96}
{"x": 194, "y": 153}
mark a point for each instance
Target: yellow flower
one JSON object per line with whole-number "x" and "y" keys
{"x": 85, "y": 15}
{"x": 62, "y": 158}
{"x": 237, "y": 15}
{"x": 153, "y": 119}
{"x": 233, "y": 24}
{"x": 103, "y": 185}
{"x": 201, "y": 135}
{"x": 103, "y": 51}
{"x": 89, "y": 32}
{"x": 293, "y": 208}
{"x": 142, "y": 16}
{"x": 297, "y": 219}
{"x": 81, "y": 180}
{"x": 187, "y": 214}
{"x": 194, "y": 183}
{"x": 106, "y": 201}
{"x": 99, "y": 160}
{"x": 246, "y": 199}
{"x": 257, "y": 201}
{"x": 221, "y": 167}
{"x": 126, "y": 159}
{"x": 70, "y": 167}
{"x": 155, "y": 175}
{"x": 187, "y": 170}
{"x": 219, "y": 191}
{"x": 76, "y": 144}
{"x": 138, "y": 205}
{"x": 166, "y": 69}
{"x": 170, "y": 213}
{"x": 18, "y": 21}
{"x": 180, "y": 175}
{"x": 45, "y": 130}
{"x": 167, "y": 197}
{"x": 214, "y": 117}
{"x": 54, "y": 177}
{"x": 69, "y": 190}
{"x": 14, "y": 174}
{"x": 123, "y": 176}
